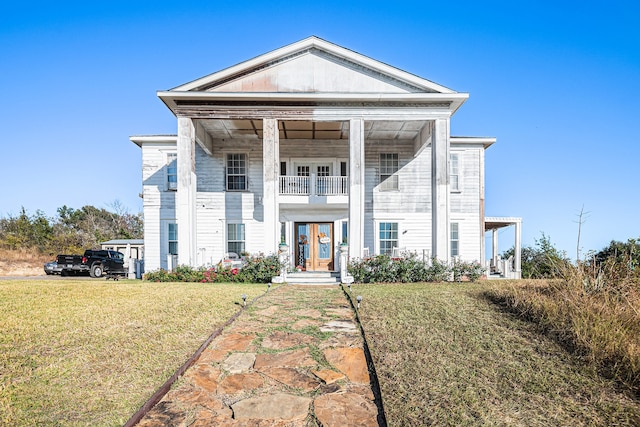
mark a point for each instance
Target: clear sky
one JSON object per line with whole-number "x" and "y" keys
{"x": 557, "y": 83}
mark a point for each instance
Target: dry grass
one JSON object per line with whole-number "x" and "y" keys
{"x": 445, "y": 355}
{"x": 22, "y": 262}
{"x": 602, "y": 324}
{"x": 80, "y": 352}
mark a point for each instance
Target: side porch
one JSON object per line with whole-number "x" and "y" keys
{"x": 497, "y": 267}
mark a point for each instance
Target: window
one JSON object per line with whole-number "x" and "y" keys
{"x": 283, "y": 232}
{"x": 236, "y": 172}
{"x": 345, "y": 232}
{"x": 455, "y": 240}
{"x": 344, "y": 184}
{"x": 172, "y": 171}
{"x": 173, "y": 239}
{"x": 283, "y": 168}
{"x": 388, "y": 237}
{"x": 235, "y": 238}
{"x": 454, "y": 174}
{"x": 388, "y": 169}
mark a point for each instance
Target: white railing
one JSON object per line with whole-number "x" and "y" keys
{"x": 315, "y": 186}
{"x": 296, "y": 185}
{"x": 332, "y": 186}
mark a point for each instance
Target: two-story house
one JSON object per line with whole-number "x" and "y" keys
{"x": 312, "y": 144}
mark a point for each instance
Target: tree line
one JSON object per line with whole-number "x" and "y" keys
{"x": 70, "y": 230}
{"x": 544, "y": 261}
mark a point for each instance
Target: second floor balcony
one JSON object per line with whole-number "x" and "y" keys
{"x": 314, "y": 185}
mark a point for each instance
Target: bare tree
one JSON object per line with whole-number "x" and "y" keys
{"x": 582, "y": 218}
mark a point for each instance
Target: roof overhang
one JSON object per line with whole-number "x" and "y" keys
{"x": 156, "y": 139}
{"x": 472, "y": 140}
{"x": 494, "y": 222}
{"x": 449, "y": 101}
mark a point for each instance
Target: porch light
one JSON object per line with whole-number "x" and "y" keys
{"x": 244, "y": 300}
{"x": 359, "y": 299}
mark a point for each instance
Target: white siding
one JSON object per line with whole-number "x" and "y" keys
{"x": 466, "y": 207}
{"x": 409, "y": 206}
{"x": 158, "y": 203}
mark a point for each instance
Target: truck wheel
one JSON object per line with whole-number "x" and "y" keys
{"x": 96, "y": 270}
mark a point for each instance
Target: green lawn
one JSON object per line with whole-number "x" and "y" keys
{"x": 446, "y": 356}
{"x": 91, "y": 352}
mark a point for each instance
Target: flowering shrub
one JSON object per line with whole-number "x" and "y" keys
{"x": 257, "y": 269}
{"x": 470, "y": 271}
{"x": 410, "y": 268}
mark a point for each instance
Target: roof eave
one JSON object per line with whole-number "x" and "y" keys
{"x": 142, "y": 139}
{"x": 170, "y": 98}
{"x": 486, "y": 141}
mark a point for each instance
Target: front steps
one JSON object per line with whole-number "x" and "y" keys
{"x": 313, "y": 278}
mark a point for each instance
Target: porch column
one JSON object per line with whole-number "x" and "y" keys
{"x": 270, "y": 167}
{"x": 186, "y": 192}
{"x": 356, "y": 187}
{"x": 440, "y": 190}
{"x": 518, "y": 251}
{"x": 494, "y": 246}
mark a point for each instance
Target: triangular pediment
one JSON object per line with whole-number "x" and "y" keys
{"x": 313, "y": 66}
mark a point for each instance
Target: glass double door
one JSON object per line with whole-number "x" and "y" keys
{"x": 317, "y": 170}
{"x": 314, "y": 247}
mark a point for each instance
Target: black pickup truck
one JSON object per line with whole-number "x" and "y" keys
{"x": 96, "y": 263}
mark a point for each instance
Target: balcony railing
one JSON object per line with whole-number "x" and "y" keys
{"x": 314, "y": 185}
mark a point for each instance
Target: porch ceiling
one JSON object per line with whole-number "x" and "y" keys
{"x": 298, "y": 129}
{"x": 494, "y": 223}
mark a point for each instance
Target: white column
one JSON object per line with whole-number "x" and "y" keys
{"x": 356, "y": 187}
{"x": 186, "y": 192}
{"x": 270, "y": 167}
{"x": 494, "y": 246}
{"x": 518, "y": 251}
{"x": 440, "y": 190}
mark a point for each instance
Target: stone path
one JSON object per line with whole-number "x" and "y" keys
{"x": 294, "y": 358}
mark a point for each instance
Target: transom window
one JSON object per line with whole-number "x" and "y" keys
{"x": 236, "y": 172}
{"x": 388, "y": 169}
{"x": 235, "y": 238}
{"x": 388, "y": 237}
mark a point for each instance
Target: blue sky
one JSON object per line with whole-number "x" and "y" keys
{"x": 557, "y": 83}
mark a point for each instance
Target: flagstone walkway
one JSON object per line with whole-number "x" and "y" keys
{"x": 293, "y": 358}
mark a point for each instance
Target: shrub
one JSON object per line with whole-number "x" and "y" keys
{"x": 544, "y": 261}
{"x": 257, "y": 269}
{"x": 471, "y": 271}
{"x": 409, "y": 269}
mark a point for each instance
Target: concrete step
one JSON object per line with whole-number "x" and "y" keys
{"x": 314, "y": 278}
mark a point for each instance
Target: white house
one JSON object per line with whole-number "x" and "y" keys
{"x": 313, "y": 144}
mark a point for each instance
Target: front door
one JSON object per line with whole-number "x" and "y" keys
{"x": 314, "y": 248}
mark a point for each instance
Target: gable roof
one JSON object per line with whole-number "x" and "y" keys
{"x": 312, "y": 70}
{"x": 312, "y": 51}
